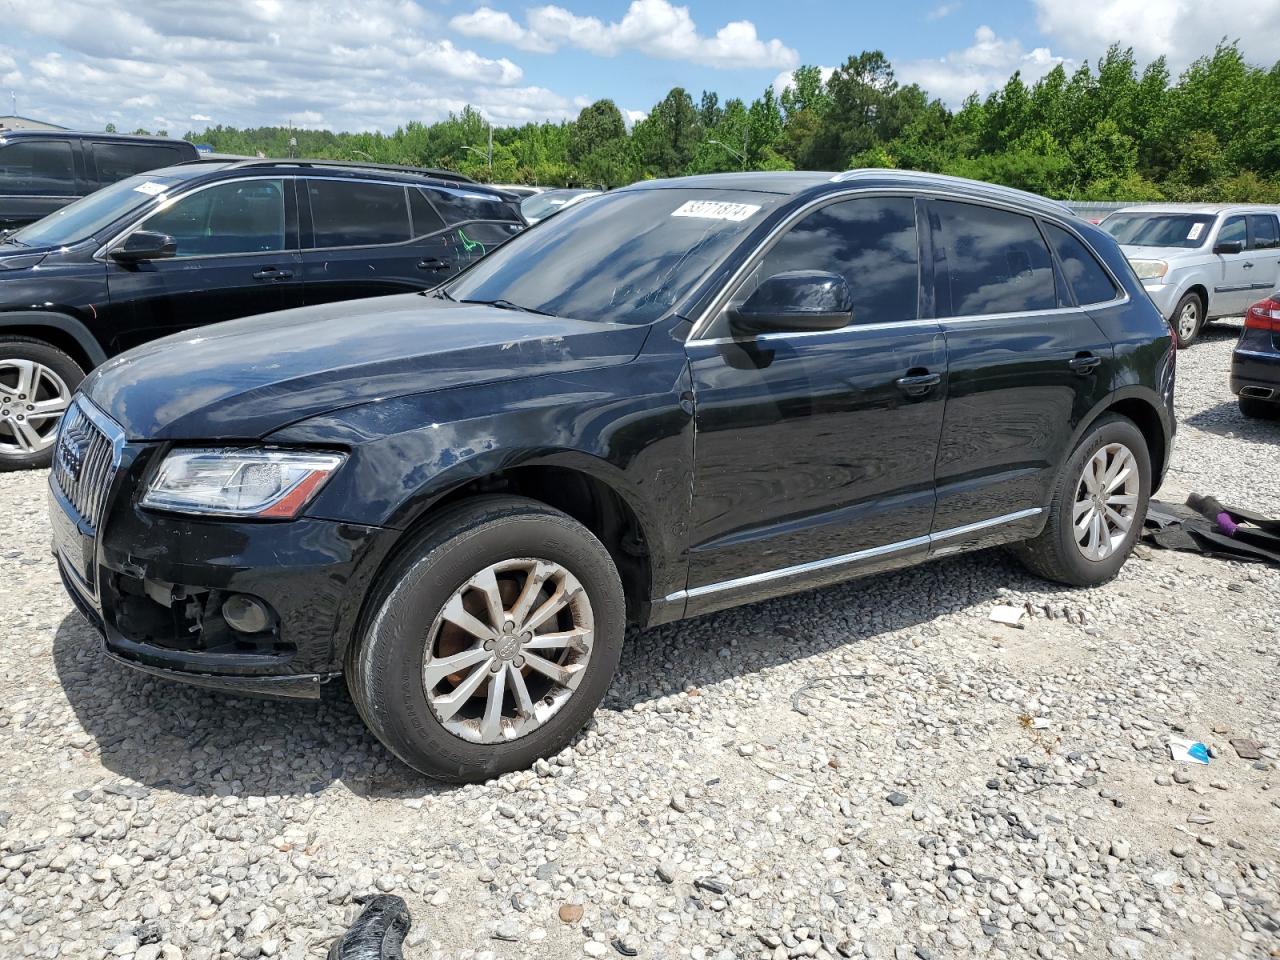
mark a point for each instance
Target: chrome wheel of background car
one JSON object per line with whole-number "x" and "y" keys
{"x": 1106, "y": 501}
{"x": 1188, "y": 319}
{"x": 32, "y": 400}
{"x": 508, "y": 650}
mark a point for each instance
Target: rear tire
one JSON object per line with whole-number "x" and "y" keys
{"x": 1256, "y": 409}
{"x": 441, "y": 720}
{"x": 1188, "y": 319}
{"x": 1088, "y": 555}
{"x": 37, "y": 381}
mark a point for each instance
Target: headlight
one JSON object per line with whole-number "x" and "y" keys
{"x": 1149, "y": 269}
{"x": 240, "y": 482}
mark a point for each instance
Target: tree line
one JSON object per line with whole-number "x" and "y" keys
{"x": 1106, "y": 131}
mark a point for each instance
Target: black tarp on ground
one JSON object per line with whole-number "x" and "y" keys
{"x": 1207, "y": 527}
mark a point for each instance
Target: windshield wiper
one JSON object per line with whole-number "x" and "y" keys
{"x": 508, "y": 305}
{"x": 14, "y": 240}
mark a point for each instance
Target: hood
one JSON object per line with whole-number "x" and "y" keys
{"x": 247, "y": 378}
{"x": 1133, "y": 252}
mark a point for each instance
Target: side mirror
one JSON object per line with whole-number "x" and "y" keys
{"x": 1229, "y": 246}
{"x": 797, "y": 300}
{"x": 145, "y": 245}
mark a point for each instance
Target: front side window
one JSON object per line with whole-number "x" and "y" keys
{"x": 245, "y": 216}
{"x": 870, "y": 241}
{"x": 353, "y": 213}
{"x": 625, "y": 257}
{"x": 37, "y": 168}
{"x": 988, "y": 261}
{"x": 1234, "y": 231}
{"x": 1265, "y": 235}
{"x": 1085, "y": 275}
{"x": 115, "y": 161}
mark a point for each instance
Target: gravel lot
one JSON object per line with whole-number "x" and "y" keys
{"x": 871, "y": 770}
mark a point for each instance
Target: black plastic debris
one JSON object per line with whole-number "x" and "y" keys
{"x": 1212, "y": 529}
{"x": 377, "y": 934}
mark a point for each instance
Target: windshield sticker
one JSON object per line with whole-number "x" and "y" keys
{"x": 715, "y": 210}
{"x": 150, "y": 189}
{"x": 1196, "y": 230}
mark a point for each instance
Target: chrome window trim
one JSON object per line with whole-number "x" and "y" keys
{"x": 709, "y": 314}
{"x": 784, "y": 573}
{"x": 103, "y": 251}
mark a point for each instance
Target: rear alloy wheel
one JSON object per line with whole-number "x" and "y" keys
{"x": 490, "y": 641}
{"x": 36, "y": 385}
{"x": 1098, "y": 507}
{"x": 1188, "y": 318}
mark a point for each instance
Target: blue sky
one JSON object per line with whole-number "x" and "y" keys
{"x": 373, "y": 64}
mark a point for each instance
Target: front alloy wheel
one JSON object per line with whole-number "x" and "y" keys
{"x": 1188, "y": 316}
{"x": 33, "y": 399}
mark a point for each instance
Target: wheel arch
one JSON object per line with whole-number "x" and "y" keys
{"x": 1144, "y": 411}
{"x": 59, "y": 330}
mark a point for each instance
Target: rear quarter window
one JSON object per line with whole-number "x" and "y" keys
{"x": 460, "y": 205}
{"x": 1086, "y": 277}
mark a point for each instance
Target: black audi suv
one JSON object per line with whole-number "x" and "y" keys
{"x": 681, "y": 396}
{"x": 202, "y": 242}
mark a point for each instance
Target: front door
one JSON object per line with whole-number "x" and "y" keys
{"x": 1026, "y": 364}
{"x": 235, "y": 258}
{"x": 814, "y": 451}
{"x": 1234, "y": 290}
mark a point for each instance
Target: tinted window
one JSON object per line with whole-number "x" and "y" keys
{"x": 1084, "y": 274}
{"x": 349, "y": 213}
{"x": 459, "y": 205}
{"x": 1265, "y": 235}
{"x": 625, "y": 257}
{"x": 115, "y": 161}
{"x": 870, "y": 242}
{"x": 1233, "y": 231}
{"x": 37, "y": 168}
{"x": 242, "y": 217}
{"x": 1188, "y": 230}
{"x": 425, "y": 218}
{"x": 989, "y": 261}
{"x": 90, "y": 216}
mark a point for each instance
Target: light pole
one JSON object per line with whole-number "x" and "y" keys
{"x": 742, "y": 157}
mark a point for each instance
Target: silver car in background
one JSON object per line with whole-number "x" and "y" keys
{"x": 1200, "y": 261}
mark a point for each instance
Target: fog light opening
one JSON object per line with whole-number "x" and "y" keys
{"x": 246, "y": 614}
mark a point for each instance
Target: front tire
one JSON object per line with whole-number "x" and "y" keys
{"x": 1188, "y": 319}
{"x": 490, "y": 641}
{"x": 37, "y": 381}
{"x": 1098, "y": 508}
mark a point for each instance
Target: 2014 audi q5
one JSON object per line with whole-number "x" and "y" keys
{"x": 678, "y": 397}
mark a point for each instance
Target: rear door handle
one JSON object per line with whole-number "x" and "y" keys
{"x": 433, "y": 263}
{"x": 271, "y": 273}
{"x": 1084, "y": 364}
{"x": 918, "y": 384}
{"x": 1248, "y": 266}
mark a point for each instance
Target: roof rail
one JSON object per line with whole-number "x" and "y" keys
{"x": 927, "y": 177}
{"x": 352, "y": 164}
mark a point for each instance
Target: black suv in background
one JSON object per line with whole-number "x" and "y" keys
{"x": 674, "y": 398}
{"x": 202, "y": 242}
{"x": 42, "y": 170}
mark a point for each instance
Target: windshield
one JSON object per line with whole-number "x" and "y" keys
{"x": 625, "y": 257}
{"x": 1159, "y": 229}
{"x": 84, "y": 218}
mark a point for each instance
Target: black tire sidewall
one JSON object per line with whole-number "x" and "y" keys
{"x": 416, "y": 588}
{"x": 1200, "y": 322}
{"x": 1082, "y": 570}
{"x": 20, "y": 348}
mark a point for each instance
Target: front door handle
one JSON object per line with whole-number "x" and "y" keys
{"x": 918, "y": 384}
{"x": 434, "y": 264}
{"x": 271, "y": 273}
{"x": 1084, "y": 364}
{"x": 1248, "y": 266}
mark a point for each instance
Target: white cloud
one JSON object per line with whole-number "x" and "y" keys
{"x": 982, "y": 67}
{"x": 942, "y": 10}
{"x": 1179, "y": 29}
{"x": 631, "y": 117}
{"x": 787, "y": 77}
{"x": 655, "y": 27}
{"x": 374, "y": 64}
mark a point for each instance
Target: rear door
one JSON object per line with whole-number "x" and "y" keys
{"x": 236, "y": 256}
{"x": 116, "y": 160}
{"x": 1025, "y": 365}
{"x": 1264, "y": 246}
{"x": 36, "y": 178}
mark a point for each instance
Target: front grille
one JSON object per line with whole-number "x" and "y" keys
{"x": 85, "y": 459}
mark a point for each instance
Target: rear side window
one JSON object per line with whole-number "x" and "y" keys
{"x": 871, "y": 242}
{"x": 115, "y": 161}
{"x": 1085, "y": 275}
{"x": 37, "y": 168}
{"x": 425, "y": 218}
{"x": 459, "y": 205}
{"x": 989, "y": 261}
{"x": 351, "y": 213}
{"x": 1263, "y": 227}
